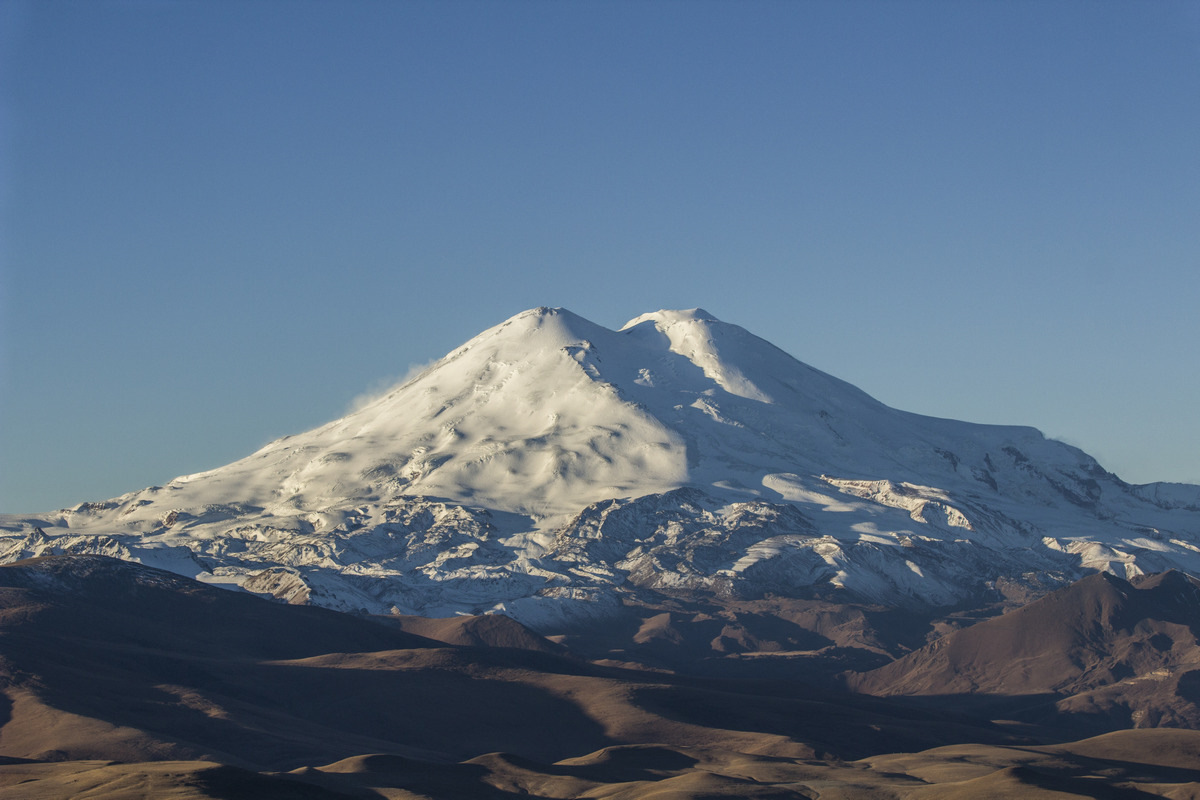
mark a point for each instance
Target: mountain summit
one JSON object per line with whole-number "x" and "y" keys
{"x": 550, "y": 466}
{"x": 548, "y": 412}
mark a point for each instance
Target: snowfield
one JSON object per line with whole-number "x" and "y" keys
{"x": 550, "y": 466}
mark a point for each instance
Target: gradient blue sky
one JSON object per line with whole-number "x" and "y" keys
{"x": 224, "y": 221}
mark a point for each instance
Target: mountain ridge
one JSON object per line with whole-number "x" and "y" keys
{"x": 1124, "y": 652}
{"x": 552, "y": 469}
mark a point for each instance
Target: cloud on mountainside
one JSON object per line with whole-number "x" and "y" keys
{"x": 381, "y": 387}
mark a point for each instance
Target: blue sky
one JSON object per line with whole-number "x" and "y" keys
{"x": 222, "y": 222}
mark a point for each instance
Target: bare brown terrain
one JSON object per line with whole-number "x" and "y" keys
{"x": 1100, "y": 654}
{"x": 121, "y": 681}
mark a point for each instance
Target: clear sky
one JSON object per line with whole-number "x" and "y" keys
{"x": 224, "y": 221}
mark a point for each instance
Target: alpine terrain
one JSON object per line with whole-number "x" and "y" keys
{"x": 552, "y": 469}
{"x": 664, "y": 561}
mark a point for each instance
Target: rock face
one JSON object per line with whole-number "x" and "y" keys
{"x": 551, "y": 467}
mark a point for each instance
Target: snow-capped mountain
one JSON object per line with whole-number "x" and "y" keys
{"x": 550, "y": 466}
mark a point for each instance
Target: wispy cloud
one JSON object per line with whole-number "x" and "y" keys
{"x": 384, "y": 386}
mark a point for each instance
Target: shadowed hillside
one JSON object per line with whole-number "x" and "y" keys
{"x": 123, "y": 681}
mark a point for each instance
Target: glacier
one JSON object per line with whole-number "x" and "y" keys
{"x": 552, "y": 469}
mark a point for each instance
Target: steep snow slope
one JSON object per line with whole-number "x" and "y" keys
{"x": 550, "y": 465}
{"x": 516, "y": 419}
